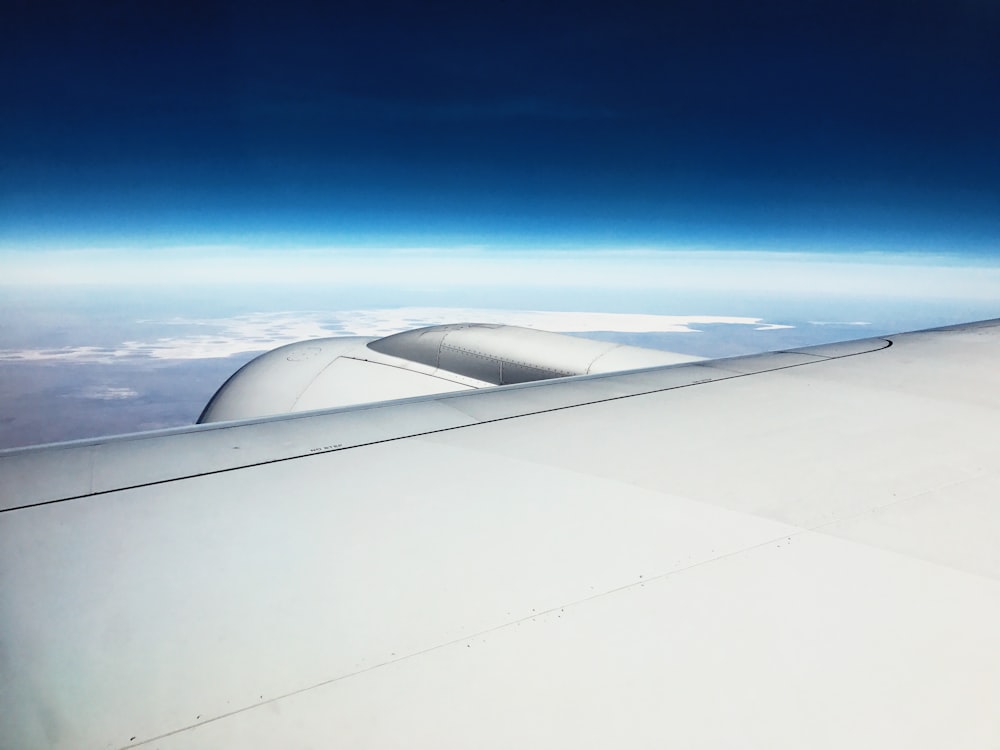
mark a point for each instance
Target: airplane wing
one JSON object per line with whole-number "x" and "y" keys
{"x": 797, "y": 549}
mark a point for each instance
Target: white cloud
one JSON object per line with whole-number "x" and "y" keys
{"x": 67, "y": 353}
{"x": 110, "y": 393}
{"x": 384, "y": 322}
{"x": 224, "y": 337}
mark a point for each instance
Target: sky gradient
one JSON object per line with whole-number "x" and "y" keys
{"x": 796, "y": 126}
{"x": 184, "y": 184}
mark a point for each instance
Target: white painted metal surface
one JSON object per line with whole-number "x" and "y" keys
{"x": 343, "y": 371}
{"x": 502, "y": 355}
{"x": 323, "y": 374}
{"x": 32, "y": 475}
{"x": 691, "y": 556}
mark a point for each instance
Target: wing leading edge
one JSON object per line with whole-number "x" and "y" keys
{"x": 792, "y": 549}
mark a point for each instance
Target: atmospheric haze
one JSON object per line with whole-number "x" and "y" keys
{"x": 184, "y": 186}
{"x": 81, "y": 360}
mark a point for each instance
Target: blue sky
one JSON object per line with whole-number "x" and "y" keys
{"x": 824, "y": 126}
{"x": 180, "y": 181}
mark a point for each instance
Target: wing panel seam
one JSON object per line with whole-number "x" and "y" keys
{"x": 194, "y": 475}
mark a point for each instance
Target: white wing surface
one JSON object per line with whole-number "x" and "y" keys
{"x": 797, "y": 549}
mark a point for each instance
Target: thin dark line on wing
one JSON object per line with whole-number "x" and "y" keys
{"x": 472, "y": 636}
{"x": 731, "y": 375}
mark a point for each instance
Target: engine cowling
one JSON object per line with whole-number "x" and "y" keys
{"x": 344, "y": 371}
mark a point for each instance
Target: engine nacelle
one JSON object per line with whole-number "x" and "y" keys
{"x": 344, "y": 371}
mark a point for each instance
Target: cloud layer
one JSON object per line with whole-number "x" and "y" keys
{"x": 201, "y": 338}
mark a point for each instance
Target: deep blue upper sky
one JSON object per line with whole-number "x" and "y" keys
{"x": 739, "y": 124}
